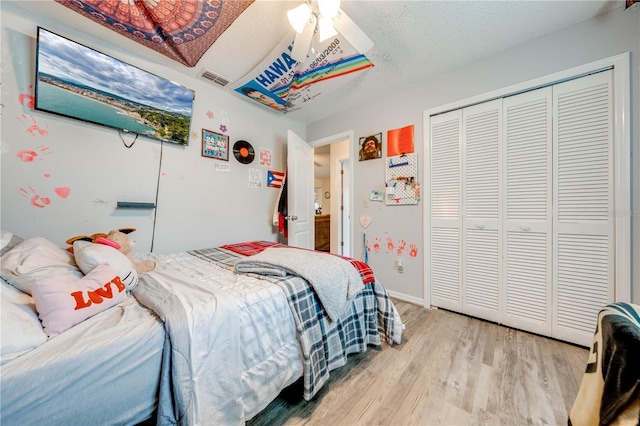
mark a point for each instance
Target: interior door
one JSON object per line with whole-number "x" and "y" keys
{"x": 481, "y": 216}
{"x": 583, "y": 232}
{"x": 527, "y": 238}
{"x": 446, "y": 219}
{"x": 300, "y": 208}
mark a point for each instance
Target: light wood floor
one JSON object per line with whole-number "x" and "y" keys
{"x": 449, "y": 370}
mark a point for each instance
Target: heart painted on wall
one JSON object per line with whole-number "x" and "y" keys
{"x": 365, "y": 221}
{"x": 63, "y": 192}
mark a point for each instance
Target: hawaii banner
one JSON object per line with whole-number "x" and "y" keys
{"x": 282, "y": 84}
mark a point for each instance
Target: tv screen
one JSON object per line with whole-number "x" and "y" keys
{"x": 78, "y": 82}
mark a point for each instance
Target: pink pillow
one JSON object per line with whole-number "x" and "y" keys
{"x": 61, "y": 304}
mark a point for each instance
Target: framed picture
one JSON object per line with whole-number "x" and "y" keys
{"x": 215, "y": 145}
{"x": 370, "y": 147}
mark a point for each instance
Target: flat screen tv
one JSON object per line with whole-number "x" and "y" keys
{"x": 78, "y": 82}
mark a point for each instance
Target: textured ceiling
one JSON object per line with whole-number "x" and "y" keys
{"x": 413, "y": 40}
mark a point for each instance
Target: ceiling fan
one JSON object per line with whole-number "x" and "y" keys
{"x": 329, "y": 19}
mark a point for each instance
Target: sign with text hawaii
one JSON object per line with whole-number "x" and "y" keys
{"x": 283, "y": 84}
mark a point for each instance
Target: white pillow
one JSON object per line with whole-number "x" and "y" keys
{"x": 37, "y": 257}
{"x": 21, "y": 328}
{"x": 63, "y": 304}
{"x": 8, "y": 240}
{"x": 89, "y": 255}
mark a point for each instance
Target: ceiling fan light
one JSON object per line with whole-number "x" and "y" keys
{"x": 327, "y": 30}
{"x": 329, "y": 8}
{"x": 299, "y": 16}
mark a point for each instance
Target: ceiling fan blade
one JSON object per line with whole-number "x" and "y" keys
{"x": 352, "y": 32}
{"x": 302, "y": 42}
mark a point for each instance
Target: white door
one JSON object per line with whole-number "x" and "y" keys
{"x": 300, "y": 208}
{"x": 583, "y": 228}
{"x": 445, "y": 238}
{"x": 345, "y": 212}
{"x": 527, "y": 224}
{"x": 481, "y": 221}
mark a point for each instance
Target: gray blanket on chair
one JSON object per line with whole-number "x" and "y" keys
{"x": 333, "y": 279}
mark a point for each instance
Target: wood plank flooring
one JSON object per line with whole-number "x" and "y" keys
{"x": 449, "y": 370}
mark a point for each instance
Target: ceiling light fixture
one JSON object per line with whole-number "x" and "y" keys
{"x": 326, "y": 16}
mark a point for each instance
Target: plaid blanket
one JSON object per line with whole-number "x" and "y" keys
{"x": 254, "y": 247}
{"x": 610, "y": 388}
{"x": 325, "y": 345}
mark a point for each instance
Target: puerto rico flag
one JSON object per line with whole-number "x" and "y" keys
{"x": 275, "y": 179}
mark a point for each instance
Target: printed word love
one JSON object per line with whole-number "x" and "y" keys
{"x": 98, "y": 295}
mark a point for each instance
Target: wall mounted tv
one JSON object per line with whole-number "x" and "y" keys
{"x": 78, "y": 82}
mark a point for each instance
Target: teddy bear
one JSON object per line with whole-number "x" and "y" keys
{"x": 125, "y": 244}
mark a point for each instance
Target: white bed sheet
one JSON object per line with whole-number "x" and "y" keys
{"x": 241, "y": 325}
{"x": 105, "y": 370}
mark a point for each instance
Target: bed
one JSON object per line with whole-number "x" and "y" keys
{"x": 609, "y": 393}
{"x": 196, "y": 341}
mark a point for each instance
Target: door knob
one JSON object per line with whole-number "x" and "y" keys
{"x": 292, "y": 217}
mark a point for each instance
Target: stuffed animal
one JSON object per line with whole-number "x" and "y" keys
{"x": 118, "y": 239}
{"x": 125, "y": 244}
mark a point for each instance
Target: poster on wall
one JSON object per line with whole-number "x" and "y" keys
{"x": 282, "y": 84}
{"x": 400, "y": 141}
{"x": 370, "y": 147}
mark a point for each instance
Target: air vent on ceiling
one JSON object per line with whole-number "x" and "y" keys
{"x": 215, "y": 78}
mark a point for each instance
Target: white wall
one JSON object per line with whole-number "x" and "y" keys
{"x": 605, "y": 36}
{"x": 91, "y": 170}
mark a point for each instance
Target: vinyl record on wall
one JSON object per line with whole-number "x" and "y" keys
{"x": 243, "y": 151}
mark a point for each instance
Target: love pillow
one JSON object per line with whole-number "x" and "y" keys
{"x": 61, "y": 304}
{"x": 89, "y": 255}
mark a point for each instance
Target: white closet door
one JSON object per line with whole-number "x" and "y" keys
{"x": 583, "y": 202}
{"x": 445, "y": 199}
{"x": 481, "y": 245}
{"x": 527, "y": 266}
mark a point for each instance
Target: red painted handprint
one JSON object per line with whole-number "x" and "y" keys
{"x": 401, "y": 247}
{"x": 390, "y": 244}
{"x": 413, "y": 250}
{"x": 376, "y": 244}
{"x": 32, "y": 127}
{"x": 35, "y": 199}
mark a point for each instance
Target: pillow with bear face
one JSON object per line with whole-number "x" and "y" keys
{"x": 61, "y": 304}
{"x": 89, "y": 255}
{"x": 37, "y": 258}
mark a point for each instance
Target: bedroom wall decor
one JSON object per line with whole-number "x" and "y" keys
{"x": 370, "y": 147}
{"x": 282, "y": 84}
{"x": 400, "y": 141}
{"x": 215, "y": 145}
{"x": 182, "y": 31}
{"x": 401, "y": 180}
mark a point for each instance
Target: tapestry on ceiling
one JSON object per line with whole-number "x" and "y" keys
{"x": 281, "y": 83}
{"x": 183, "y": 30}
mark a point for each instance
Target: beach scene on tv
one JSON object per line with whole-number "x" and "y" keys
{"x": 79, "y": 82}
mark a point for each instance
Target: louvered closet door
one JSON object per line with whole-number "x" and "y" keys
{"x": 583, "y": 201}
{"x": 481, "y": 245}
{"x": 445, "y": 198}
{"x": 527, "y": 265}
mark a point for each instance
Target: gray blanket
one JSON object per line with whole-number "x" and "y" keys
{"x": 334, "y": 280}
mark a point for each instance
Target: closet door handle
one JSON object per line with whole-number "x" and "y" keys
{"x": 525, "y": 228}
{"x": 480, "y": 225}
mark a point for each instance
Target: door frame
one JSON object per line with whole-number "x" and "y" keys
{"x": 328, "y": 140}
{"x": 622, "y": 168}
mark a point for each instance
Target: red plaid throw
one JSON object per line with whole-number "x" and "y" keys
{"x": 254, "y": 247}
